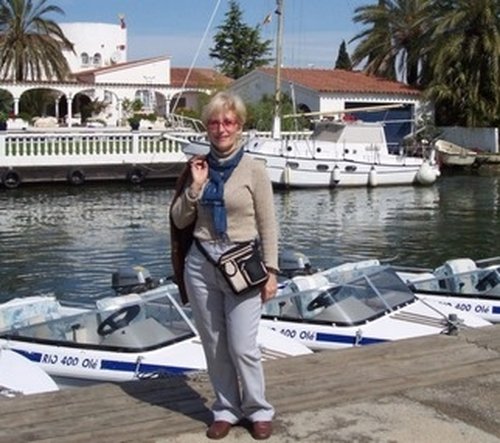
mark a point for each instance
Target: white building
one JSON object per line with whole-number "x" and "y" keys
{"x": 102, "y": 73}
{"x": 95, "y": 44}
{"x": 340, "y": 92}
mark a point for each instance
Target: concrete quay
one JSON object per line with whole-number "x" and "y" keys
{"x": 432, "y": 389}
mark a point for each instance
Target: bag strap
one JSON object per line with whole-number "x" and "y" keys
{"x": 204, "y": 252}
{"x": 211, "y": 259}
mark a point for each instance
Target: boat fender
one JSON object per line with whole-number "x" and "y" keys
{"x": 426, "y": 175}
{"x": 76, "y": 177}
{"x": 372, "y": 177}
{"x": 335, "y": 175}
{"x": 11, "y": 179}
{"x": 136, "y": 176}
{"x": 285, "y": 176}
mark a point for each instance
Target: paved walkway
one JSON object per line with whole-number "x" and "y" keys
{"x": 434, "y": 389}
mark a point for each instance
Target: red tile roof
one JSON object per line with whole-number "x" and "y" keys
{"x": 199, "y": 77}
{"x": 340, "y": 80}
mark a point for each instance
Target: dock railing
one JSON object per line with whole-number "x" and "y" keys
{"x": 89, "y": 146}
{"x": 96, "y": 147}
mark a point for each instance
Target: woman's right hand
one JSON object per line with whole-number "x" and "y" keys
{"x": 199, "y": 172}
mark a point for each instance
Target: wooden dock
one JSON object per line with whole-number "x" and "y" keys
{"x": 165, "y": 409}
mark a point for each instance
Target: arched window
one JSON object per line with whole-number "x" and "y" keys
{"x": 97, "y": 60}
{"x": 84, "y": 57}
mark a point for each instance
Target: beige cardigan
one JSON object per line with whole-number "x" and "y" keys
{"x": 248, "y": 197}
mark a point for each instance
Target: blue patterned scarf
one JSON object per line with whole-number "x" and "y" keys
{"x": 213, "y": 196}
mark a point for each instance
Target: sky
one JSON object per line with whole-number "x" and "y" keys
{"x": 184, "y": 29}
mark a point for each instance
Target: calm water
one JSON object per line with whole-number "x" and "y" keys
{"x": 68, "y": 241}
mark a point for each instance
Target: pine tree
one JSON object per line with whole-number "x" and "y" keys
{"x": 239, "y": 46}
{"x": 343, "y": 59}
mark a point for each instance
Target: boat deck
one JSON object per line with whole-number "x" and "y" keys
{"x": 442, "y": 373}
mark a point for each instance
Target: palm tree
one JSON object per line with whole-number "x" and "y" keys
{"x": 464, "y": 68}
{"x": 395, "y": 39}
{"x": 30, "y": 44}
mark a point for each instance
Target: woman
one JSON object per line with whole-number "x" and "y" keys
{"x": 230, "y": 200}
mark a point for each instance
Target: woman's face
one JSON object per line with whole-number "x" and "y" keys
{"x": 223, "y": 131}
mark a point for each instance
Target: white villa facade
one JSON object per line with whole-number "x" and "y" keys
{"x": 100, "y": 71}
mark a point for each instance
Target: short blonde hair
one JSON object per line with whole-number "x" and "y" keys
{"x": 224, "y": 102}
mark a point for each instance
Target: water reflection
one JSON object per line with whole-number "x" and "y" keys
{"x": 69, "y": 240}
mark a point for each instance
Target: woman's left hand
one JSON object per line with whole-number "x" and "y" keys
{"x": 270, "y": 288}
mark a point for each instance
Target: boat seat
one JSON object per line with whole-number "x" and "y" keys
{"x": 424, "y": 281}
{"x": 21, "y": 312}
{"x": 308, "y": 288}
{"x": 489, "y": 280}
{"x": 290, "y": 310}
{"x": 51, "y": 330}
{"x": 86, "y": 332}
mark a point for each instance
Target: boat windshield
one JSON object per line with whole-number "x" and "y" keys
{"x": 126, "y": 323}
{"x": 362, "y": 299}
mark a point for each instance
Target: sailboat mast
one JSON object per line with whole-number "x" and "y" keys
{"x": 279, "y": 58}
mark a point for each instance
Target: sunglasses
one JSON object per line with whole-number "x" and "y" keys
{"x": 226, "y": 124}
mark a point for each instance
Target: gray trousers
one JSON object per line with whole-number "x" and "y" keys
{"x": 228, "y": 326}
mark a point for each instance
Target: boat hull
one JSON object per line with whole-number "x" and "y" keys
{"x": 301, "y": 172}
{"x": 452, "y": 155}
{"x": 340, "y": 155}
{"x": 76, "y": 366}
{"x": 421, "y": 318}
{"x": 456, "y": 159}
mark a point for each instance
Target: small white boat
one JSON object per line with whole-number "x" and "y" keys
{"x": 451, "y": 154}
{"x": 19, "y": 376}
{"x": 141, "y": 334}
{"x": 358, "y": 304}
{"x": 340, "y": 154}
{"x": 466, "y": 285}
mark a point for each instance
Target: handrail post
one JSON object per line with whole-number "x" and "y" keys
{"x": 135, "y": 142}
{"x": 3, "y": 136}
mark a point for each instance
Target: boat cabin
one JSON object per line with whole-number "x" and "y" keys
{"x": 355, "y": 132}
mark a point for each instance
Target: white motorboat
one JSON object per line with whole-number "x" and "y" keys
{"x": 451, "y": 154}
{"x": 19, "y": 376}
{"x": 466, "y": 285}
{"x": 340, "y": 154}
{"x": 141, "y": 332}
{"x": 355, "y": 304}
